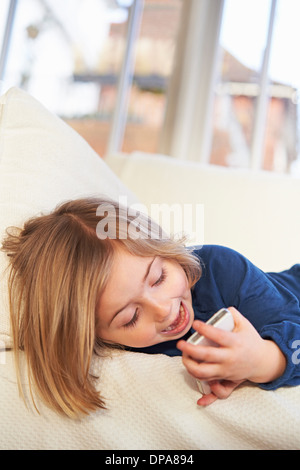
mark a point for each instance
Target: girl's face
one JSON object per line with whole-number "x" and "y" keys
{"x": 147, "y": 300}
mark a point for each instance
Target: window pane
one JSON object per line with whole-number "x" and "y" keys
{"x": 243, "y": 38}
{"x": 61, "y": 54}
{"x": 281, "y": 144}
{"x": 68, "y": 54}
{"x": 3, "y": 16}
{"x": 154, "y": 63}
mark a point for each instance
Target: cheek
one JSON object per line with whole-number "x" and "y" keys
{"x": 104, "y": 334}
{"x": 138, "y": 337}
{"x": 180, "y": 284}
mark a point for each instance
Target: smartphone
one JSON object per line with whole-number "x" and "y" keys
{"x": 222, "y": 319}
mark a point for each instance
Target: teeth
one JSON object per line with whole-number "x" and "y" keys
{"x": 177, "y": 321}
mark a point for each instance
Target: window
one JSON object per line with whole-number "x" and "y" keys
{"x": 154, "y": 57}
{"x": 234, "y": 95}
{"x": 238, "y": 82}
{"x": 215, "y": 81}
{"x": 244, "y": 106}
{"x": 69, "y": 55}
{"x": 57, "y": 53}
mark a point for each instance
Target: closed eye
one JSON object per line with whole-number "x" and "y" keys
{"x": 135, "y": 317}
{"x": 133, "y": 321}
{"x": 161, "y": 278}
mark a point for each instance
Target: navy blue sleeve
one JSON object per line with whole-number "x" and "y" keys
{"x": 269, "y": 301}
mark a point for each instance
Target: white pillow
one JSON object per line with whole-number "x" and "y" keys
{"x": 43, "y": 162}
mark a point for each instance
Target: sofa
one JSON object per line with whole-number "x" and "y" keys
{"x": 151, "y": 400}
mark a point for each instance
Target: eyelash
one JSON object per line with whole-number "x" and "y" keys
{"x": 135, "y": 317}
{"x": 133, "y": 321}
{"x": 161, "y": 278}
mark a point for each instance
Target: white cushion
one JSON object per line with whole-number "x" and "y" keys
{"x": 43, "y": 162}
{"x": 151, "y": 400}
{"x": 151, "y": 404}
{"x": 254, "y": 212}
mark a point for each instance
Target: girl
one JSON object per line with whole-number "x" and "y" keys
{"x": 90, "y": 276}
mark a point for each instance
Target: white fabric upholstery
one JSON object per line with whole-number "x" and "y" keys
{"x": 255, "y": 213}
{"x": 151, "y": 400}
{"x": 152, "y": 405}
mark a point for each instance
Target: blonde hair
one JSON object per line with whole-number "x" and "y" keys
{"x": 59, "y": 266}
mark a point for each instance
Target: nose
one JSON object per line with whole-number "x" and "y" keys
{"x": 159, "y": 309}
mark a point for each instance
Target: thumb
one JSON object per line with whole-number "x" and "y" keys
{"x": 238, "y": 318}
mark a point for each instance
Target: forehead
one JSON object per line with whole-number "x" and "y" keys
{"x": 126, "y": 274}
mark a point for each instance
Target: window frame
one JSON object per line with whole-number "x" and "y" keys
{"x": 187, "y": 132}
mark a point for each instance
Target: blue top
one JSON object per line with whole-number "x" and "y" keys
{"x": 270, "y": 301}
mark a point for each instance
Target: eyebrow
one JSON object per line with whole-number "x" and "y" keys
{"x": 144, "y": 279}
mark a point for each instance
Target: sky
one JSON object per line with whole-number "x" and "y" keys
{"x": 244, "y": 35}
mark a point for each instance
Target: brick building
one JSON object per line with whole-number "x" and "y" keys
{"x": 235, "y": 98}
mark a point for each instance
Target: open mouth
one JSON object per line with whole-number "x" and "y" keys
{"x": 180, "y": 322}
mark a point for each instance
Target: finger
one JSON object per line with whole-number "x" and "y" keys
{"x": 220, "y": 389}
{"x": 238, "y": 318}
{"x": 206, "y": 400}
{"x": 213, "y": 333}
{"x": 202, "y": 370}
{"x": 202, "y": 353}
{"x": 223, "y": 389}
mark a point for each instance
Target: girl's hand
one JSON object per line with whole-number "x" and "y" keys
{"x": 242, "y": 355}
{"x": 219, "y": 390}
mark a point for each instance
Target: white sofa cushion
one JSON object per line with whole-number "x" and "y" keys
{"x": 42, "y": 163}
{"x": 253, "y": 212}
{"x": 151, "y": 400}
{"x": 151, "y": 404}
